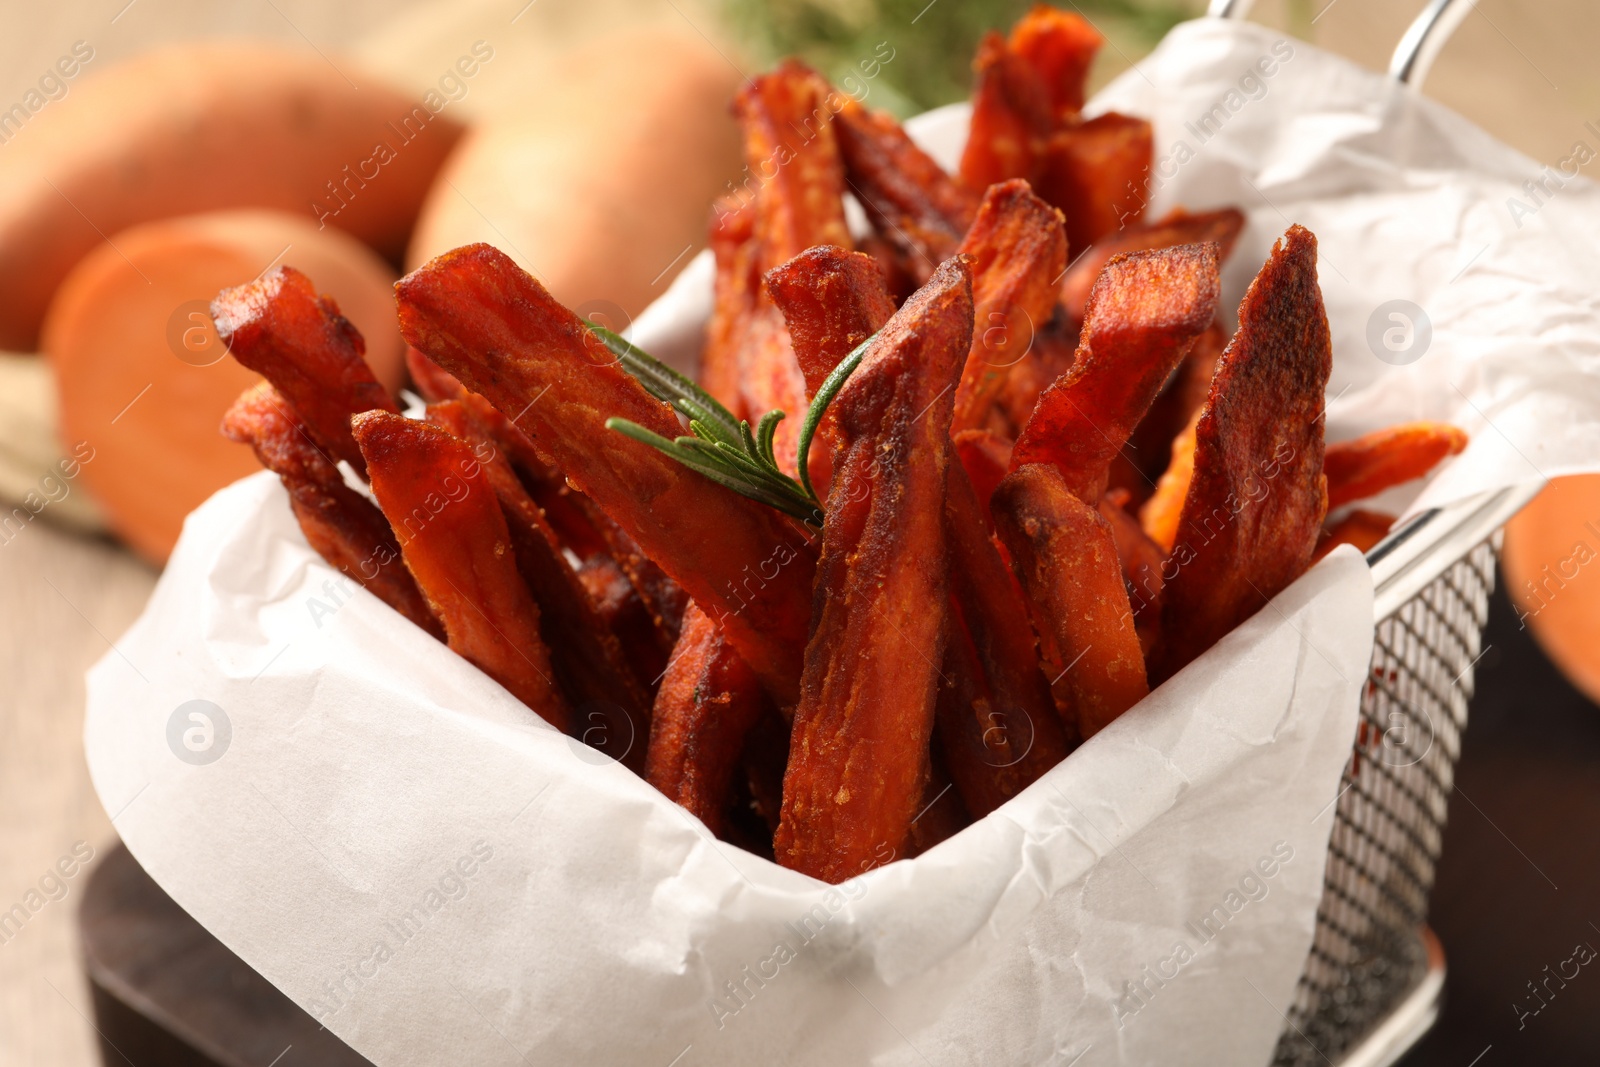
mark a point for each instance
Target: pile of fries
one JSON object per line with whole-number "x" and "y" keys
{"x": 1043, "y": 480}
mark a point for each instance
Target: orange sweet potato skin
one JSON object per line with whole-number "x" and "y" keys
{"x": 859, "y": 749}
{"x": 280, "y": 328}
{"x": 1095, "y": 173}
{"x": 455, "y": 542}
{"x": 1065, "y": 556}
{"x": 1385, "y": 458}
{"x": 478, "y": 315}
{"x": 1146, "y": 311}
{"x": 342, "y": 525}
{"x": 1257, "y": 498}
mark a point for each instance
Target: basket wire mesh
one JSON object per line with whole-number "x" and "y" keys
{"x": 1367, "y": 952}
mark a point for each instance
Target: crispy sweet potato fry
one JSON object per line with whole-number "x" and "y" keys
{"x": 1012, "y": 116}
{"x": 1385, "y": 458}
{"x": 790, "y": 147}
{"x": 1177, "y": 227}
{"x": 1065, "y": 556}
{"x": 1018, "y": 249}
{"x": 1363, "y": 529}
{"x": 707, "y": 704}
{"x": 1145, "y": 313}
{"x": 455, "y": 542}
{"x": 999, "y": 729}
{"x": 913, "y": 204}
{"x": 624, "y": 613}
{"x": 1161, "y": 513}
{"x": 858, "y": 758}
{"x": 1141, "y": 560}
{"x": 832, "y": 300}
{"x": 1257, "y": 499}
{"x": 478, "y": 315}
{"x": 612, "y": 709}
{"x": 342, "y": 525}
{"x": 280, "y": 328}
{"x": 431, "y": 381}
{"x": 1095, "y": 173}
{"x": 1060, "y": 46}
{"x": 986, "y": 456}
{"x": 735, "y": 302}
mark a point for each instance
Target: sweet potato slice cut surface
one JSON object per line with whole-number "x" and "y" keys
{"x": 1369, "y": 464}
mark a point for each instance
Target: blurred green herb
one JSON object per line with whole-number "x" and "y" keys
{"x": 932, "y": 43}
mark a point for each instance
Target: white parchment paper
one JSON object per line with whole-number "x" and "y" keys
{"x": 392, "y": 840}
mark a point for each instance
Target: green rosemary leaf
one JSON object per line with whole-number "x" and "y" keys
{"x": 766, "y": 433}
{"x": 819, "y": 405}
{"x": 667, "y": 385}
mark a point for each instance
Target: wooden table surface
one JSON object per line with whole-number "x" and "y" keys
{"x": 65, "y": 597}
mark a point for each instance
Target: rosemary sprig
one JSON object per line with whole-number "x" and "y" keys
{"x": 721, "y": 447}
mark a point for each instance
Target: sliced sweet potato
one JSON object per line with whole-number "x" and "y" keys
{"x": 1363, "y": 529}
{"x": 832, "y": 300}
{"x": 1141, "y": 560}
{"x": 342, "y": 525}
{"x": 1095, "y": 173}
{"x": 612, "y": 709}
{"x": 707, "y": 704}
{"x": 1060, "y": 46}
{"x": 1018, "y": 249}
{"x": 1009, "y": 731}
{"x": 1258, "y": 496}
{"x": 431, "y": 381}
{"x": 1145, "y": 313}
{"x": 280, "y": 328}
{"x": 1177, "y": 227}
{"x": 736, "y": 296}
{"x": 1012, "y": 116}
{"x": 1065, "y": 555}
{"x": 455, "y": 543}
{"x": 986, "y": 456}
{"x": 858, "y": 760}
{"x": 1386, "y": 458}
{"x": 913, "y": 204}
{"x": 481, "y": 317}
{"x": 1161, "y": 514}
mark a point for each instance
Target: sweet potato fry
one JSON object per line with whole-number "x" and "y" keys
{"x": 1257, "y": 499}
{"x": 1141, "y": 560}
{"x": 1060, "y": 47}
{"x": 1012, "y": 116}
{"x": 1177, "y": 227}
{"x": 1145, "y": 313}
{"x": 478, "y": 315}
{"x": 1018, "y": 249}
{"x": 1364, "y": 529}
{"x": 831, "y": 300}
{"x": 1385, "y": 458}
{"x": 913, "y": 204}
{"x": 624, "y": 613}
{"x": 858, "y": 758}
{"x": 612, "y": 709}
{"x": 342, "y": 525}
{"x": 280, "y": 328}
{"x": 1065, "y": 556}
{"x": 1161, "y": 513}
{"x": 790, "y": 147}
{"x": 707, "y": 704}
{"x": 986, "y": 456}
{"x": 735, "y": 300}
{"x": 455, "y": 542}
{"x": 1000, "y": 732}
{"x": 1095, "y": 173}
{"x": 431, "y": 381}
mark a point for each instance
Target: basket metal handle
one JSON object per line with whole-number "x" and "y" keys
{"x": 1418, "y": 48}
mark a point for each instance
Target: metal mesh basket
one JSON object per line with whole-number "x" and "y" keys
{"x": 1371, "y": 954}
